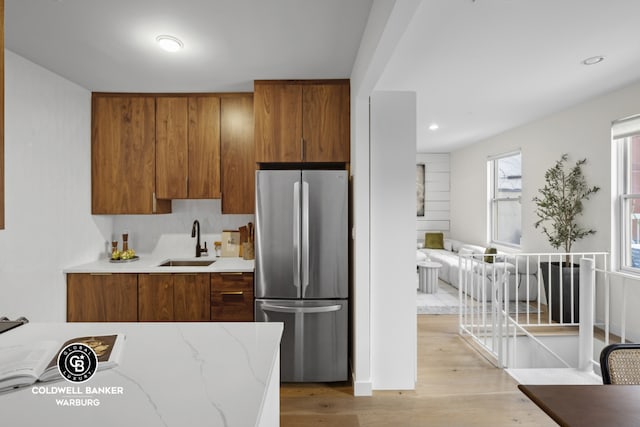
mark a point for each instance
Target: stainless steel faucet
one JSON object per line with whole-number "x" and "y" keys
{"x": 195, "y": 231}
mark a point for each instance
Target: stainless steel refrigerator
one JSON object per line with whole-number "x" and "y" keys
{"x": 301, "y": 265}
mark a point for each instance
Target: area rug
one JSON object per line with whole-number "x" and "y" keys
{"x": 445, "y": 301}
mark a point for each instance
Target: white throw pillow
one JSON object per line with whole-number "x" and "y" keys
{"x": 465, "y": 251}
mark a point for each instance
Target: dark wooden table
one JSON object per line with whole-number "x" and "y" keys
{"x": 588, "y": 405}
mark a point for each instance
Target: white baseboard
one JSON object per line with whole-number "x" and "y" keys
{"x": 362, "y": 388}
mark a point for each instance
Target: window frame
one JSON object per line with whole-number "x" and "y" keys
{"x": 623, "y": 176}
{"x": 493, "y": 201}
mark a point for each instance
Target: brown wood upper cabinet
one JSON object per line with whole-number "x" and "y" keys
{"x": 188, "y": 147}
{"x": 302, "y": 121}
{"x": 102, "y": 297}
{"x": 123, "y": 156}
{"x": 173, "y": 297}
{"x": 238, "y": 154}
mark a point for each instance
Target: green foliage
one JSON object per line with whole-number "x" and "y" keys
{"x": 561, "y": 202}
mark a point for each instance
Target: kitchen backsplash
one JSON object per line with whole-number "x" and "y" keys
{"x": 145, "y": 230}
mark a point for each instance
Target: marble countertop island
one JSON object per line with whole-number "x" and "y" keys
{"x": 169, "y": 374}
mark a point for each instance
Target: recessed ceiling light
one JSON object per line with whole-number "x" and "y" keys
{"x": 434, "y": 126}
{"x": 593, "y": 60}
{"x": 169, "y": 43}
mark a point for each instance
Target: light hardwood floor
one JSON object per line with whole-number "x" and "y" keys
{"x": 456, "y": 387}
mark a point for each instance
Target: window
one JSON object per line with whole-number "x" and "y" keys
{"x": 505, "y": 191}
{"x": 626, "y": 138}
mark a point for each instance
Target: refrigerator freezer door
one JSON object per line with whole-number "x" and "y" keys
{"x": 324, "y": 234}
{"x": 277, "y": 244}
{"x": 314, "y": 340}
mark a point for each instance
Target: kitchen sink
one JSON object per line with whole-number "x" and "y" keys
{"x": 186, "y": 263}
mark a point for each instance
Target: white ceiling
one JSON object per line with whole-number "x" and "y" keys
{"x": 482, "y": 67}
{"x": 109, "y": 45}
{"x": 478, "y": 67}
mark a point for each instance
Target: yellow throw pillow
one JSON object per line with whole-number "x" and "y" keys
{"x": 490, "y": 251}
{"x": 434, "y": 240}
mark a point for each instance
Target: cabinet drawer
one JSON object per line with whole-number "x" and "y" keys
{"x": 232, "y": 297}
{"x": 232, "y": 282}
{"x": 232, "y": 306}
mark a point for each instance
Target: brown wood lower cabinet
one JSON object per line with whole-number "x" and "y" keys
{"x": 232, "y": 297}
{"x": 102, "y": 297}
{"x": 173, "y": 297}
{"x": 191, "y": 297}
{"x": 160, "y": 297}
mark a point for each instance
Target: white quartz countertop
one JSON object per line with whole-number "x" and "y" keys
{"x": 170, "y": 374}
{"x": 169, "y": 246}
{"x": 148, "y": 263}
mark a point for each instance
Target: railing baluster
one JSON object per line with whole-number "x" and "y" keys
{"x": 539, "y": 293}
{"x": 496, "y": 328}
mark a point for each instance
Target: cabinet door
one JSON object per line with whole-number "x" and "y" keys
{"x": 278, "y": 122}
{"x": 171, "y": 147}
{"x": 232, "y": 297}
{"x": 123, "y": 159}
{"x": 204, "y": 147}
{"x": 155, "y": 298}
{"x": 325, "y": 122}
{"x": 102, "y": 297}
{"x": 191, "y": 296}
{"x": 237, "y": 150}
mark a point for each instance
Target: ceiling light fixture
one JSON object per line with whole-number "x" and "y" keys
{"x": 593, "y": 60}
{"x": 169, "y": 43}
{"x": 434, "y": 126}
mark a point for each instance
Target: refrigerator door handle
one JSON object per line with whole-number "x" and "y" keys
{"x": 296, "y": 237}
{"x": 286, "y": 309}
{"x": 305, "y": 237}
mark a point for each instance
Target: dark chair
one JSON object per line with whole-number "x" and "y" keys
{"x": 620, "y": 364}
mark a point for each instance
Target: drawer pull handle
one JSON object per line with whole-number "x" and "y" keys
{"x": 232, "y": 293}
{"x": 231, "y": 274}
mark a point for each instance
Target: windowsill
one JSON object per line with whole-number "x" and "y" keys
{"x": 626, "y": 272}
{"x": 505, "y": 247}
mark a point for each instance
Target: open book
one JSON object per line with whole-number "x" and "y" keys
{"x": 23, "y": 365}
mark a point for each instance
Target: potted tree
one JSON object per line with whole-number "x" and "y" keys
{"x": 559, "y": 205}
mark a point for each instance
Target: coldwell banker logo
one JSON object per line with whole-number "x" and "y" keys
{"x": 77, "y": 362}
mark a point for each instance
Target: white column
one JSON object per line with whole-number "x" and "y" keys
{"x": 585, "y": 334}
{"x": 392, "y": 242}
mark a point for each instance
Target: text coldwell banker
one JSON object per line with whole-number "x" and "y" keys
{"x": 76, "y": 390}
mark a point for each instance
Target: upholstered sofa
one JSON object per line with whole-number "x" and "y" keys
{"x": 480, "y": 267}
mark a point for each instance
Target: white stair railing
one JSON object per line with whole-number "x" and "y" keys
{"x": 499, "y": 301}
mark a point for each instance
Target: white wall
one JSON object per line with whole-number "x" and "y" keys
{"x": 392, "y": 198}
{"x": 145, "y": 230}
{"x": 582, "y": 131}
{"x": 48, "y": 190}
{"x": 437, "y": 193}
{"x": 386, "y": 23}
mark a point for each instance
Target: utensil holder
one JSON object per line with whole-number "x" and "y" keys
{"x": 247, "y": 250}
